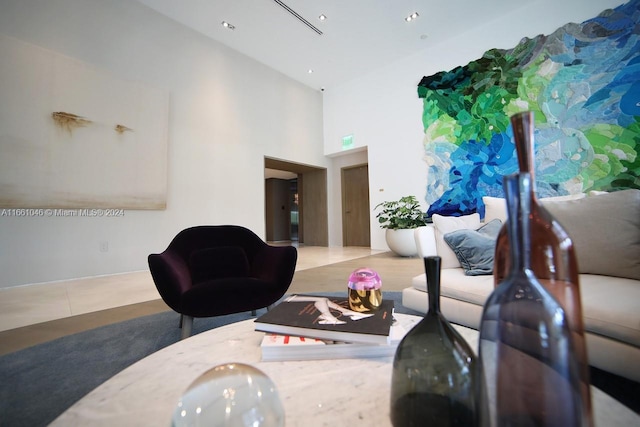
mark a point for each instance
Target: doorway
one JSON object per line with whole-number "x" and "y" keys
{"x": 355, "y": 206}
{"x": 300, "y": 201}
{"x": 281, "y": 210}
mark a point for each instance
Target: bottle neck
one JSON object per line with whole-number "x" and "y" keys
{"x": 523, "y": 128}
{"x": 432, "y": 270}
{"x": 518, "y": 192}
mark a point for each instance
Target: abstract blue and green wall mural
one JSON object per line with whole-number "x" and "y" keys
{"x": 583, "y": 84}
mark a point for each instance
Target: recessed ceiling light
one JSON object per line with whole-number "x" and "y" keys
{"x": 227, "y": 25}
{"x": 322, "y": 17}
{"x": 411, "y": 17}
{"x": 310, "y": 71}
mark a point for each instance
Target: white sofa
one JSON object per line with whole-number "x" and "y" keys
{"x": 605, "y": 230}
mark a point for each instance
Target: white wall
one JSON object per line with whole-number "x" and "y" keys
{"x": 226, "y": 113}
{"x": 383, "y": 111}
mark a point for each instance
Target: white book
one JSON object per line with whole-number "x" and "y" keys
{"x": 285, "y": 347}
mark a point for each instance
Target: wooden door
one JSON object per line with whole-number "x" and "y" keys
{"x": 355, "y": 206}
{"x": 277, "y": 210}
{"x": 315, "y": 224}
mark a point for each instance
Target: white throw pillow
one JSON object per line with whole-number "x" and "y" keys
{"x": 447, "y": 224}
{"x": 494, "y": 208}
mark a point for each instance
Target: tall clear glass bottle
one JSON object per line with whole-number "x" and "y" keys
{"x": 434, "y": 369}
{"x": 529, "y": 374}
{"x": 553, "y": 260}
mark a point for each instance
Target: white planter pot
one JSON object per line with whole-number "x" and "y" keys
{"x": 402, "y": 242}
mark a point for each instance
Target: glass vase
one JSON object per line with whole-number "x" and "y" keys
{"x": 434, "y": 369}
{"x": 529, "y": 374}
{"x": 553, "y": 260}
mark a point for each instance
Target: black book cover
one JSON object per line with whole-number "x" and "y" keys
{"x": 330, "y": 318}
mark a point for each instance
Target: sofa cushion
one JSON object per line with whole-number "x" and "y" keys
{"x": 475, "y": 248}
{"x": 496, "y": 207}
{"x": 605, "y": 231}
{"x": 447, "y": 224}
{"x": 609, "y": 304}
{"x": 576, "y": 196}
{"x": 218, "y": 263}
{"x": 455, "y": 284}
{"x": 610, "y": 307}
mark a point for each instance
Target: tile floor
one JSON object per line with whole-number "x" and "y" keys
{"x": 32, "y": 304}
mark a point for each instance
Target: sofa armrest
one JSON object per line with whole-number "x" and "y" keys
{"x": 425, "y": 237}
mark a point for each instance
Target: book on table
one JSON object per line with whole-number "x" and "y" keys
{"x": 285, "y": 347}
{"x": 327, "y": 318}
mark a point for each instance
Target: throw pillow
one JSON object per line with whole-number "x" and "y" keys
{"x": 218, "y": 263}
{"x": 447, "y": 224}
{"x": 605, "y": 231}
{"x": 475, "y": 248}
{"x": 494, "y": 208}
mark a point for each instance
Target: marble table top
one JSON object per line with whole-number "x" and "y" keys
{"x": 350, "y": 392}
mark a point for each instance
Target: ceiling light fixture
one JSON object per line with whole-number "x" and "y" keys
{"x": 227, "y": 25}
{"x": 322, "y": 17}
{"x": 310, "y": 71}
{"x": 411, "y": 17}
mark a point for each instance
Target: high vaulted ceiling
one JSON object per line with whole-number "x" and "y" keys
{"x": 357, "y": 36}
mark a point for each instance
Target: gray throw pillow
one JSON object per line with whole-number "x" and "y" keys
{"x": 605, "y": 231}
{"x": 475, "y": 248}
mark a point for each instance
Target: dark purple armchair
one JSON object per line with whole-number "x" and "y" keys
{"x": 214, "y": 270}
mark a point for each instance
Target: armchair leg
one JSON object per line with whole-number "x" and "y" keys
{"x": 186, "y": 323}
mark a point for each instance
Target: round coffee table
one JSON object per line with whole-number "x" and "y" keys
{"x": 314, "y": 393}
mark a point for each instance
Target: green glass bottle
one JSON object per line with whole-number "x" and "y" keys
{"x": 434, "y": 369}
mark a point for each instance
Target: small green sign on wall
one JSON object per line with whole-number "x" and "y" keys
{"x": 347, "y": 142}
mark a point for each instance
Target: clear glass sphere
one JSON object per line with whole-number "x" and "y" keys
{"x": 233, "y": 394}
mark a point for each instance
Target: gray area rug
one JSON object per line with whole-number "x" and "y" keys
{"x": 39, "y": 383}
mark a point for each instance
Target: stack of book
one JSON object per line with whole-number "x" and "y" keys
{"x": 311, "y": 327}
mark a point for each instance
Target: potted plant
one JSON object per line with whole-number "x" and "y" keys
{"x": 400, "y": 218}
